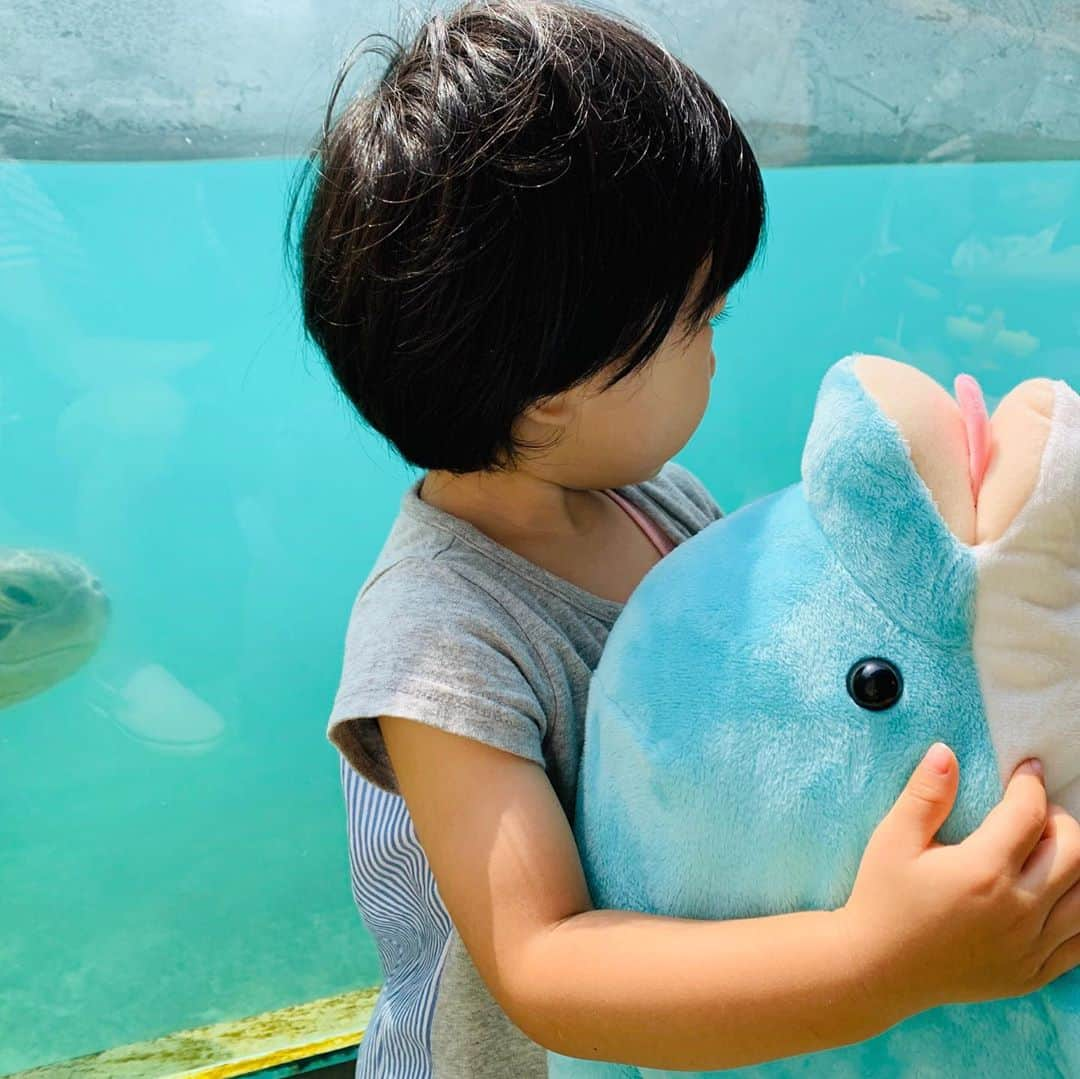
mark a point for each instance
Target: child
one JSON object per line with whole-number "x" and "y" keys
{"x": 514, "y": 248}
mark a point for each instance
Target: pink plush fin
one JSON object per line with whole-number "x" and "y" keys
{"x": 977, "y": 422}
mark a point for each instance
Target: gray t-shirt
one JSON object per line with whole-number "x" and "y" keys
{"x": 453, "y": 629}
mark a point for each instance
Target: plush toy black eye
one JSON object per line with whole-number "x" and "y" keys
{"x": 875, "y": 684}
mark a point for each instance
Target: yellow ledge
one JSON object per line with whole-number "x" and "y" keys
{"x": 225, "y": 1050}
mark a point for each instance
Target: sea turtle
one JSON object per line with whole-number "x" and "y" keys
{"x": 53, "y": 614}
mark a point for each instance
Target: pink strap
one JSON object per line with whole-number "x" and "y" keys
{"x": 657, "y": 537}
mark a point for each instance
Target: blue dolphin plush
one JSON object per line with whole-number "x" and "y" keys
{"x": 771, "y": 685}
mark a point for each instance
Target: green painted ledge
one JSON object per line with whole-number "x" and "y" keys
{"x": 266, "y": 1043}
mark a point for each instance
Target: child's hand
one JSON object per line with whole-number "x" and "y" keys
{"x": 994, "y": 916}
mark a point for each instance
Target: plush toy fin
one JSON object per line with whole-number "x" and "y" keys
{"x": 880, "y": 517}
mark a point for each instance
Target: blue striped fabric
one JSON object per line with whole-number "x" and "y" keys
{"x": 401, "y": 908}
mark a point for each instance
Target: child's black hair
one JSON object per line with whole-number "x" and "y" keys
{"x": 521, "y": 202}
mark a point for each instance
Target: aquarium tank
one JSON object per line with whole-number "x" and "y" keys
{"x": 187, "y": 506}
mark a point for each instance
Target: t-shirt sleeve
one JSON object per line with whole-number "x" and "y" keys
{"x": 427, "y": 644}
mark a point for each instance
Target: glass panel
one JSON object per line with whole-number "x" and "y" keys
{"x": 949, "y": 268}
{"x": 173, "y": 848}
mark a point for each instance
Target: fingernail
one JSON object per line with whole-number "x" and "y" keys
{"x": 938, "y": 757}
{"x": 1033, "y": 765}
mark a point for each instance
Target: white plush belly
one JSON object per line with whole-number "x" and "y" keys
{"x": 1027, "y": 619}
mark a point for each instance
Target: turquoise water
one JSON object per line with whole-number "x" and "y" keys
{"x": 172, "y": 834}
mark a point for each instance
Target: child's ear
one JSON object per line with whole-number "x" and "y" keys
{"x": 555, "y": 411}
{"x": 544, "y": 422}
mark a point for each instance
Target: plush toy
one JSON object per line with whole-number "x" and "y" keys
{"x": 772, "y": 684}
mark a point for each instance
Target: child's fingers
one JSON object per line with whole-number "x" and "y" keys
{"x": 1054, "y": 865}
{"x": 1015, "y": 825}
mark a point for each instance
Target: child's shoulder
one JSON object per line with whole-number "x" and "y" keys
{"x": 428, "y": 641}
{"x": 434, "y": 562}
{"x": 412, "y": 551}
{"x": 681, "y": 500}
{"x": 431, "y": 574}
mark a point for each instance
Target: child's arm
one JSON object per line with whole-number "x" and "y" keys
{"x": 925, "y": 924}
